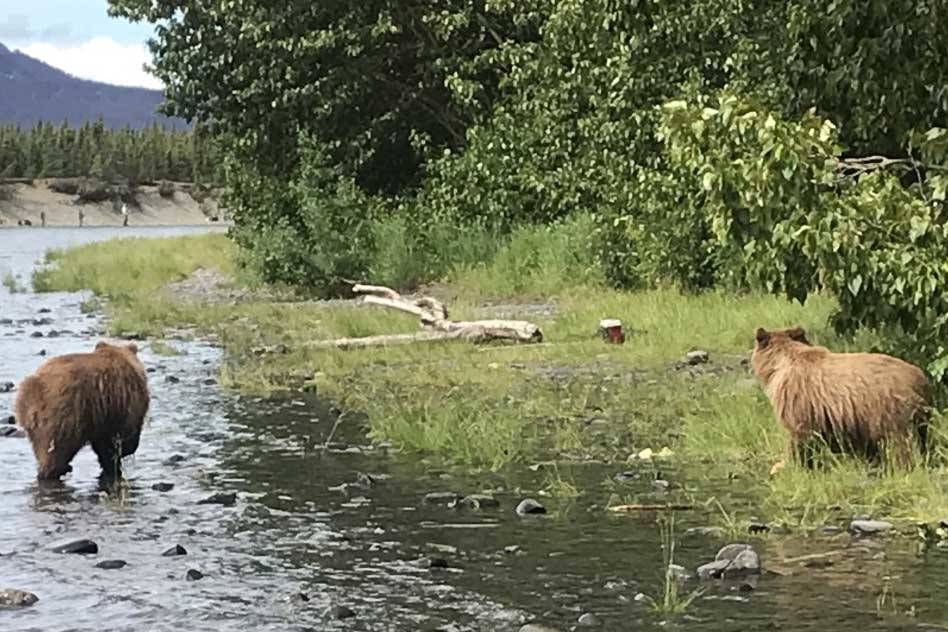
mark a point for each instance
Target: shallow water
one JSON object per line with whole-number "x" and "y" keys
{"x": 295, "y": 544}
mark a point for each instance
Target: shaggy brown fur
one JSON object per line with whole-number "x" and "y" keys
{"x": 99, "y": 398}
{"x": 862, "y": 403}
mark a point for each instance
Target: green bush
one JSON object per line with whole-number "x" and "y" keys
{"x": 786, "y": 218}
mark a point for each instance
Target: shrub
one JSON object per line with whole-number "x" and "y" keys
{"x": 166, "y": 189}
{"x": 64, "y": 186}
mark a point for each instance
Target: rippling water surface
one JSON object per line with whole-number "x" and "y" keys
{"x": 314, "y": 529}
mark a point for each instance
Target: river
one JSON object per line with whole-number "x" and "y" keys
{"x": 320, "y": 531}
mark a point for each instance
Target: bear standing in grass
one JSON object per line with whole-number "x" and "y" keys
{"x": 99, "y": 398}
{"x": 856, "y": 403}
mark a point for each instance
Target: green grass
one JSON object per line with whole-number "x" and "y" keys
{"x": 12, "y": 283}
{"x": 500, "y": 408}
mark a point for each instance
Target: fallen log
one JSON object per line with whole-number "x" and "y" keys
{"x": 434, "y": 317}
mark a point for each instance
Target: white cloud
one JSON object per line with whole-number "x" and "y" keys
{"x": 99, "y": 59}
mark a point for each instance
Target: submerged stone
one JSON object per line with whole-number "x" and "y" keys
{"x": 530, "y": 506}
{"x": 478, "y": 501}
{"x": 341, "y": 612}
{"x": 80, "y": 547}
{"x": 589, "y": 620}
{"x": 163, "y": 487}
{"x": 193, "y": 575}
{"x": 111, "y": 564}
{"x": 442, "y": 498}
{"x": 226, "y": 499}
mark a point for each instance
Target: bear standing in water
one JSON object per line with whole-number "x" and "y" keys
{"x": 854, "y": 402}
{"x": 99, "y": 398}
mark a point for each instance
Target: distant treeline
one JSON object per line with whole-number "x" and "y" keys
{"x": 92, "y": 150}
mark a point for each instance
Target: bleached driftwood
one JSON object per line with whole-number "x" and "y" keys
{"x": 433, "y": 317}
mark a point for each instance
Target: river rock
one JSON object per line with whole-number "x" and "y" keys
{"x": 82, "y": 547}
{"x": 732, "y": 560}
{"x": 171, "y": 379}
{"x": 341, "y": 612}
{"x": 36, "y": 334}
{"x": 6, "y": 321}
{"x": 176, "y": 550}
{"x": 696, "y": 357}
{"x": 869, "y": 527}
{"x": 163, "y": 487}
{"x": 589, "y": 620}
{"x": 227, "y": 499}
{"x": 478, "y": 501}
{"x": 11, "y": 419}
{"x": 174, "y": 459}
{"x": 43, "y": 310}
{"x": 442, "y": 498}
{"x": 12, "y": 432}
{"x": 537, "y": 627}
{"x": 7, "y": 387}
{"x": 712, "y": 570}
{"x": 209, "y": 381}
{"x": 193, "y": 575}
{"x": 13, "y": 598}
{"x": 111, "y": 564}
{"x": 530, "y": 506}
{"x": 437, "y": 562}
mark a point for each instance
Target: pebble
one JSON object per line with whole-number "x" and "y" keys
{"x": 437, "y": 562}
{"x": 589, "y": 620}
{"x": 227, "y": 499}
{"x": 174, "y": 459}
{"x": 177, "y": 549}
{"x": 36, "y": 334}
{"x": 163, "y": 487}
{"x": 478, "y": 501}
{"x": 710, "y": 532}
{"x": 13, "y": 598}
{"x": 111, "y": 564}
{"x": 442, "y": 498}
{"x": 193, "y": 575}
{"x": 7, "y": 387}
{"x": 530, "y": 506}
{"x": 77, "y": 546}
{"x": 12, "y": 432}
{"x": 537, "y": 627}
{"x": 209, "y": 381}
{"x": 868, "y": 527}
{"x": 731, "y": 560}
{"x": 341, "y": 612}
{"x": 171, "y": 379}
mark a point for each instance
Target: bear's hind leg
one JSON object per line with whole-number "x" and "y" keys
{"x": 53, "y": 461}
{"x": 109, "y": 450}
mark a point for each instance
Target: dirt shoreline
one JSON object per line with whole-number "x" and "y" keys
{"x": 25, "y": 202}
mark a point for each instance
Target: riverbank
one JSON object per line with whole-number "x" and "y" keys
{"x": 170, "y": 204}
{"x": 702, "y": 430}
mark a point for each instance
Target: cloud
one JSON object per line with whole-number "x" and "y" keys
{"x": 99, "y": 59}
{"x": 16, "y": 27}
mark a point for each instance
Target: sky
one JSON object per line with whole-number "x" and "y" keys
{"x": 78, "y": 36}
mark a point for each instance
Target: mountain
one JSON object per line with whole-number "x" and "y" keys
{"x": 32, "y": 91}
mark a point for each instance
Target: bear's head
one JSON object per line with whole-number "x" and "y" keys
{"x": 129, "y": 352}
{"x": 764, "y": 339}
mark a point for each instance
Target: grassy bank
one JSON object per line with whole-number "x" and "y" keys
{"x": 571, "y": 400}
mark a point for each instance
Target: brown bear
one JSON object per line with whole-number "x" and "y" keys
{"x": 99, "y": 398}
{"x": 860, "y": 403}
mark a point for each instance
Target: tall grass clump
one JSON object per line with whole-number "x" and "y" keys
{"x": 122, "y": 267}
{"x": 535, "y": 261}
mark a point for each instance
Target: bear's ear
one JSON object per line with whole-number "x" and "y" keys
{"x": 798, "y": 334}
{"x": 762, "y": 336}
{"x": 101, "y": 345}
{"x": 132, "y": 347}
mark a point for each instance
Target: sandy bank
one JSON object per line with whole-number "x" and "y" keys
{"x": 22, "y": 201}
